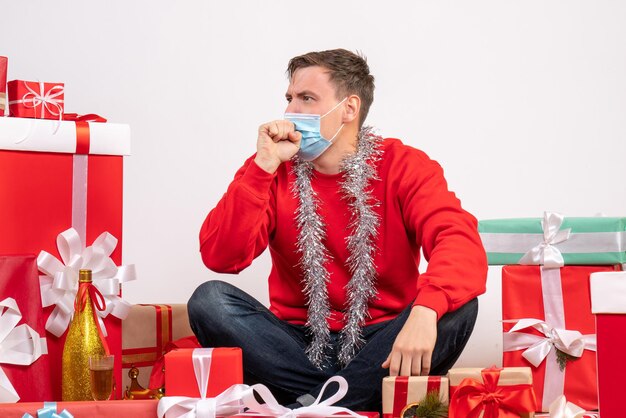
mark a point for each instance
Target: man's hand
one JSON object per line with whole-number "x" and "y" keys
{"x": 277, "y": 142}
{"x": 413, "y": 348}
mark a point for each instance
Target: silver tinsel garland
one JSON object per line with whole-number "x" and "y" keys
{"x": 359, "y": 169}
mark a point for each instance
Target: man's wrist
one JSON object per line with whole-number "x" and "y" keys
{"x": 266, "y": 164}
{"x": 421, "y": 310}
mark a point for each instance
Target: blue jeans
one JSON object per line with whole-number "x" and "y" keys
{"x": 221, "y": 315}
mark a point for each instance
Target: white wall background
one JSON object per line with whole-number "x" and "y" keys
{"x": 522, "y": 102}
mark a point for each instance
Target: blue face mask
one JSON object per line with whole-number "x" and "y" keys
{"x": 313, "y": 144}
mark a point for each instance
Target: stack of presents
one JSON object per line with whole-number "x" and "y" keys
{"x": 563, "y": 297}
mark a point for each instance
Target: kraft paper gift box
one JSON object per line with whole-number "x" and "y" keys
{"x": 472, "y": 391}
{"x": 608, "y": 303}
{"x": 402, "y": 391}
{"x": 579, "y": 241}
{"x": 226, "y": 369}
{"x": 548, "y": 308}
{"x": 53, "y": 176}
{"x": 81, "y": 409}
{"x": 3, "y": 84}
{"x": 146, "y": 332}
{"x": 33, "y": 99}
{"x": 19, "y": 281}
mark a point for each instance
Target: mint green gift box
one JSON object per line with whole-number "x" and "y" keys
{"x": 589, "y": 241}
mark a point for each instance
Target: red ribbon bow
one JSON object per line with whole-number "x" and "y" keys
{"x": 472, "y": 397}
{"x": 91, "y": 117}
{"x": 98, "y": 304}
{"x": 82, "y": 129}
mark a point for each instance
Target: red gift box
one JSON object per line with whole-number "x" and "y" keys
{"x": 559, "y": 298}
{"x": 608, "y": 303}
{"x": 402, "y": 391}
{"x": 32, "y": 99}
{"x": 45, "y": 193}
{"x": 86, "y": 409}
{"x": 225, "y": 370}
{"x": 19, "y": 280}
{"x": 3, "y": 84}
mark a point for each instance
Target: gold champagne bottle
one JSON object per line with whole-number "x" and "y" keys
{"x": 83, "y": 340}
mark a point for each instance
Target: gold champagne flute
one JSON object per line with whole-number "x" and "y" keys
{"x": 101, "y": 376}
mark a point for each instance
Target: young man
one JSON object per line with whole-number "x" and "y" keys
{"x": 345, "y": 213}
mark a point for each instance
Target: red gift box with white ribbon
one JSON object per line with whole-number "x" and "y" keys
{"x": 53, "y": 176}
{"x": 548, "y": 326}
{"x": 35, "y": 99}
{"x": 223, "y": 369}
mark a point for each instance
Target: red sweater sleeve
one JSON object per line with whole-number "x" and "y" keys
{"x": 457, "y": 264}
{"x": 237, "y": 230}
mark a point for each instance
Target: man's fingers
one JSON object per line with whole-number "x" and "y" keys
{"x": 426, "y": 361}
{"x": 394, "y": 364}
{"x": 295, "y": 136}
{"x": 417, "y": 366}
{"x": 386, "y": 363}
{"x": 407, "y": 365}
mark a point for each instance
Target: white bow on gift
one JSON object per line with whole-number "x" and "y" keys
{"x": 538, "y": 348}
{"x": 561, "y": 408}
{"x": 59, "y": 283}
{"x": 545, "y": 253}
{"x": 318, "y": 408}
{"x": 19, "y": 344}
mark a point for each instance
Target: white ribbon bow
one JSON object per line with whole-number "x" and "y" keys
{"x": 318, "y": 408}
{"x": 545, "y": 253}
{"x": 59, "y": 283}
{"x": 19, "y": 344}
{"x": 538, "y": 348}
{"x": 225, "y": 404}
{"x": 560, "y": 408}
{"x": 47, "y": 100}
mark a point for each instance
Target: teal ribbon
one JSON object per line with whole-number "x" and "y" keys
{"x": 49, "y": 410}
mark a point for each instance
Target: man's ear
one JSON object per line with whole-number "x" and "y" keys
{"x": 353, "y": 109}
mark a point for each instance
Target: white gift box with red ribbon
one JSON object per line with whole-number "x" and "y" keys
{"x": 41, "y": 135}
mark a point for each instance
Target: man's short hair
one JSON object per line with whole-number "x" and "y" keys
{"x": 348, "y": 71}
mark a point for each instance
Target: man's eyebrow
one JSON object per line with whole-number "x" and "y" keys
{"x": 302, "y": 94}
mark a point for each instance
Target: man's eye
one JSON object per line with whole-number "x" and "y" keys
{"x": 288, "y": 99}
{"x": 307, "y": 98}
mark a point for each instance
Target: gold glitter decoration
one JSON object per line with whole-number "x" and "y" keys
{"x": 82, "y": 341}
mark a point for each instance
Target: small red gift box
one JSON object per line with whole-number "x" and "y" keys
{"x": 225, "y": 370}
{"x": 555, "y": 304}
{"x": 608, "y": 303}
{"x": 45, "y": 188}
{"x": 32, "y": 99}
{"x": 402, "y": 391}
{"x": 19, "y": 280}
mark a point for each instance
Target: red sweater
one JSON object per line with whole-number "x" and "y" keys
{"x": 417, "y": 211}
